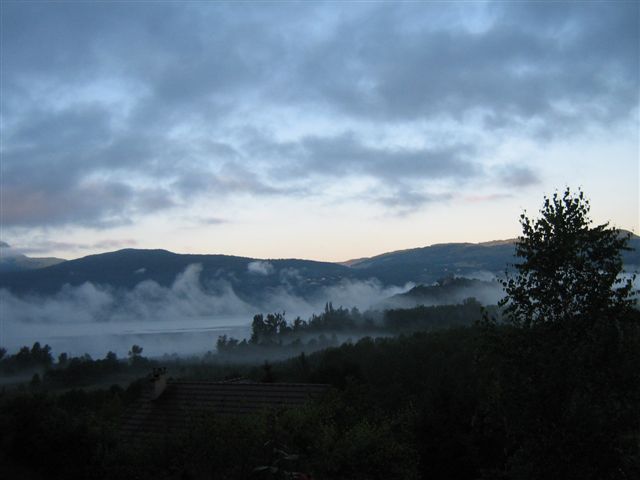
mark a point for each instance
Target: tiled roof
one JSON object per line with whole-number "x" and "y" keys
{"x": 184, "y": 402}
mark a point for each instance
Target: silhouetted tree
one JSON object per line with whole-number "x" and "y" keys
{"x": 564, "y": 369}
{"x": 569, "y": 268}
{"x": 112, "y": 358}
{"x": 266, "y": 329}
{"x": 63, "y": 358}
{"x": 135, "y": 354}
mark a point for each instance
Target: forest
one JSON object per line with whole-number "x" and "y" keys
{"x": 545, "y": 385}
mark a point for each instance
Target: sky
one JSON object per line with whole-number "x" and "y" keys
{"x": 327, "y": 131}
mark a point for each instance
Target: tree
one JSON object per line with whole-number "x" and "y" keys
{"x": 63, "y": 358}
{"x": 265, "y": 330}
{"x": 135, "y": 354}
{"x": 136, "y": 351}
{"x": 112, "y": 357}
{"x": 569, "y": 268}
{"x": 221, "y": 343}
{"x": 563, "y": 370}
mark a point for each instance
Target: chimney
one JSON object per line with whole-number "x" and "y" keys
{"x": 159, "y": 382}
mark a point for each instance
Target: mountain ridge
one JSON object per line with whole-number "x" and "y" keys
{"x": 250, "y": 277}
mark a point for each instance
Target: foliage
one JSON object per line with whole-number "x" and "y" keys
{"x": 423, "y": 318}
{"x": 563, "y": 375}
{"x": 265, "y": 329}
{"x": 83, "y": 371}
{"x": 26, "y": 359}
{"x": 136, "y": 351}
{"x": 63, "y": 436}
{"x": 569, "y": 269}
{"x": 273, "y": 336}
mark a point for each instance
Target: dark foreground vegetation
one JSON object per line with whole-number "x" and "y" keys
{"x": 551, "y": 391}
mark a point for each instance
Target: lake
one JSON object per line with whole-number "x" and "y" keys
{"x": 184, "y": 337}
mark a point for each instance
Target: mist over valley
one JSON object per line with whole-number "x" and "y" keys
{"x": 173, "y": 303}
{"x": 181, "y": 303}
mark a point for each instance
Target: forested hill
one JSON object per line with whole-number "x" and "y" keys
{"x": 428, "y": 264}
{"x": 127, "y": 268}
{"x": 252, "y": 277}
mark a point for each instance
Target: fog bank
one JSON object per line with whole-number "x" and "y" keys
{"x": 186, "y": 317}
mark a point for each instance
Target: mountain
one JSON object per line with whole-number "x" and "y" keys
{"x": 11, "y": 261}
{"x": 254, "y": 278}
{"x": 482, "y": 260}
{"x": 428, "y": 264}
{"x": 126, "y": 268}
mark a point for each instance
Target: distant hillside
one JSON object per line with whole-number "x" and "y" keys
{"x": 448, "y": 291}
{"x": 255, "y": 279}
{"x": 127, "y": 268}
{"x": 14, "y": 262}
{"x": 428, "y": 264}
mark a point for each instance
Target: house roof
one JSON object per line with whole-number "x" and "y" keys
{"x": 182, "y": 403}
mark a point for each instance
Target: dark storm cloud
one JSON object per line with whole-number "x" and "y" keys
{"x": 112, "y": 110}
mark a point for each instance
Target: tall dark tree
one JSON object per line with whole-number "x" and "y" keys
{"x": 565, "y": 367}
{"x": 569, "y": 268}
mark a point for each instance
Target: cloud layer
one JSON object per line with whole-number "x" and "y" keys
{"x": 112, "y": 112}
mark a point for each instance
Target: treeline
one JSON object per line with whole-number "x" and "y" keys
{"x": 336, "y": 325}
{"x": 25, "y": 359}
{"x": 68, "y": 371}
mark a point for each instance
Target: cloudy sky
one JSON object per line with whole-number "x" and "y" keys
{"x": 315, "y": 130}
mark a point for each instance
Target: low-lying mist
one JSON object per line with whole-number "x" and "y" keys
{"x": 185, "y": 318}
{"x": 188, "y": 316}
